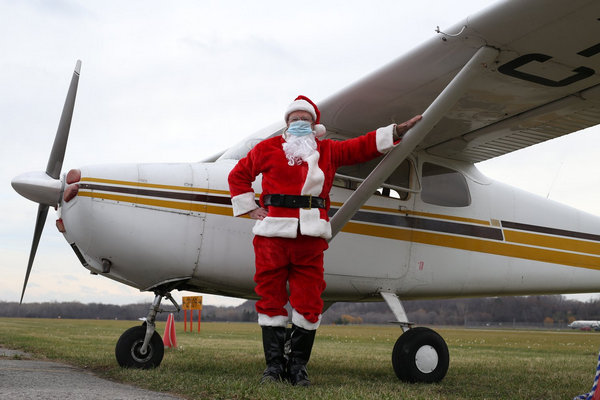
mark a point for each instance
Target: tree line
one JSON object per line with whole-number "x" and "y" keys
{"x": 554, "y": 310}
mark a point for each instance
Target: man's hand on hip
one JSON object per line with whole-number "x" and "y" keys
{"x": 258, "y": 213}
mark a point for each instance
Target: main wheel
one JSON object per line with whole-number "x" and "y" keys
{"x": 128, "y": 349}
{"x": 420, "y": 355}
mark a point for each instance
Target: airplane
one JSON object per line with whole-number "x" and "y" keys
{"x": 585, "y": 325}
{"x": 421, "y": 222}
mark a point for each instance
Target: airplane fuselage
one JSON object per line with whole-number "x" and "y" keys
{"x": 585, "y": 325}
{"x": 155, "y": 224}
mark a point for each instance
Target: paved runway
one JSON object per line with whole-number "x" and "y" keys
{"x": 24, "y": 378}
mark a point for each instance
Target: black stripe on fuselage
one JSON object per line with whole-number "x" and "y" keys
{"x": 197, "y": 197}
{"x": 550, "y": 231}
{"x": 425, "y": 224}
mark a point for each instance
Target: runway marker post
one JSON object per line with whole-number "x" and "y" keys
{"x": 191, "y": 303}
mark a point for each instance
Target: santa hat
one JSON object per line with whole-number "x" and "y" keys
{"x": 303, "y": 103}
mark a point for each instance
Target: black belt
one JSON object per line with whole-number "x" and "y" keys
{"x": 291, "y": 201}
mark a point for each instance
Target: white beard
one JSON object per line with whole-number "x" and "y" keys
{"x": 298, "y": 149}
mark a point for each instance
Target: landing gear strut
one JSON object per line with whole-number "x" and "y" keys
{"x": 420, "y": 354}
{"x": 141, "y": 346}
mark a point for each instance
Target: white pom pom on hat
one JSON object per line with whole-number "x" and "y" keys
{"x": 303, "y": 103}
{"x": 320, "y": 130}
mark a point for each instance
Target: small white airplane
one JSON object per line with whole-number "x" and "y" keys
{"x": 585, "y": 325}
{"x": 422, "y": 222}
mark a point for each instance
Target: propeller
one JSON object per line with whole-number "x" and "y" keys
{"x": 46, "y": 188}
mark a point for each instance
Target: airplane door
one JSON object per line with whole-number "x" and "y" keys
{"x": 375, "y": 243}
{"x": 448, "y": 209}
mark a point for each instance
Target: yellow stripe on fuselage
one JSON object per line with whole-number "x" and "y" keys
{"x": 553, "y": 242}
{"x": 478, "y": 245}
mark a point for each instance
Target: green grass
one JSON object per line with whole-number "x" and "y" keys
{"x": 225, "y": 361}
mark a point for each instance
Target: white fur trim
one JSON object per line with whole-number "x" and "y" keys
{"x": 299, "y": 320}
{"x": 278, "y": 320}
{"x": 300, "y": 105}
{"x": 315, "y": 177}
{"x": 243, "y": 203}
{"x": 384, "y": 137}
{"x": 276, "y": 227}
{"x": 311, "y": 224}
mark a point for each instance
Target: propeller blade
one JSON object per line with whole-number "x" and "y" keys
{"x": 37, "y": 233}
{"x": 45, "y": 188}
{"x": 57, "y": 154}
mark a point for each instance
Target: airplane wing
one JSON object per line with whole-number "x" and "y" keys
{"x": 543, "y": 84}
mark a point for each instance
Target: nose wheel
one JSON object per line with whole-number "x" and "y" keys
{"x": 129, "y": 349}
{"x": 141, "y": 346}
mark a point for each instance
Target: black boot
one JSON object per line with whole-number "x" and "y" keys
{"x": 273, "y": 343}
{"x": 301, "y": 345}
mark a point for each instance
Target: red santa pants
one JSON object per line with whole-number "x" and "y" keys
{"x": 298, "y": 262}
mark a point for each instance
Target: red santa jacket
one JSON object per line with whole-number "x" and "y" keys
{"x": 312, "y": 177}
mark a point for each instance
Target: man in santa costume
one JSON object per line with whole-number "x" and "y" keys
{"x": 292, "y": 226}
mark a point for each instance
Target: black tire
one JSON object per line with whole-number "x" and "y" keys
{"x": 420, "y": 355}
{"x": 128, "y": 347}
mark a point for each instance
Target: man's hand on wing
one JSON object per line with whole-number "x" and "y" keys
{"x": 402, "y": 128}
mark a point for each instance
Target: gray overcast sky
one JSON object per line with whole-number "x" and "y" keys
{"x": 180, "y": 81}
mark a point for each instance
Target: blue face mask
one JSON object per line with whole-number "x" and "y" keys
{"x": 300, "y": 128}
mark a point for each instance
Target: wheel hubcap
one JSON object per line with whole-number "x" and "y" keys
{"x": 137, "y": 354}
{"x": 426, "y": 359}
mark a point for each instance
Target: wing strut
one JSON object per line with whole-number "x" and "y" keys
{"x": 434, "y": 113}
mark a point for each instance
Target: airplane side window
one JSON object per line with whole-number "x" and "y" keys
{"x": 350, "y": 177}
{"x": 340, "y": 182}
{"x": 400, "y": 179}
{"x": 444, "y": 187}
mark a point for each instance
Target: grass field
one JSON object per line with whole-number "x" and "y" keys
{"x": 225, "y": 361}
